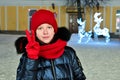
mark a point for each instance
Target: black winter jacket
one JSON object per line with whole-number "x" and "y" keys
{"x": 66, "y": 67}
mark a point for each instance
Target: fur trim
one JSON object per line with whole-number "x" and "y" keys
{"x": 63, "y": 33}
{"x": 21, "y": 42}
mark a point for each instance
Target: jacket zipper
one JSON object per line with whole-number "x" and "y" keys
{"x": 53, "y": 70}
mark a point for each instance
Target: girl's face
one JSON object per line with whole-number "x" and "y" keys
{"x": 45, "y": 33}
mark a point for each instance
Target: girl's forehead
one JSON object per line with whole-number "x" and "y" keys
{"x": 45, "y": 24}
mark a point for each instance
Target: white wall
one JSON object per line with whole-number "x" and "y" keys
{"x": 48, "y": 2}
{"x": 112, "y": 3}
{"x": 32, "y": 2}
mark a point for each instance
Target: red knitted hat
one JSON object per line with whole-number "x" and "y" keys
{"x": 43, "y": 16}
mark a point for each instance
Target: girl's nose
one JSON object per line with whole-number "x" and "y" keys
{"x": 45, "y": 31}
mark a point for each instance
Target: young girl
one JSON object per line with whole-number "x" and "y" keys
{"x": 45, "y": 54}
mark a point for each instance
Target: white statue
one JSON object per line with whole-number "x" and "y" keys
{"x": 98, "y": 30}
{"x": 81, "y": 31}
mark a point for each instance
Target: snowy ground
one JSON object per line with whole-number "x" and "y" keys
{"x": 100, "y": 60}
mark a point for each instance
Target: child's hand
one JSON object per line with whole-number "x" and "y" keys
{"x": 32, "y": 47}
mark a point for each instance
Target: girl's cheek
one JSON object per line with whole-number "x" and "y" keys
{"x": 38, "y": 35}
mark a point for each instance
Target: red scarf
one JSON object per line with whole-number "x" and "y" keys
{"x": 54, "y": 50}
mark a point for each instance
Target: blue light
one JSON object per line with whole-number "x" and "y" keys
{"x": 97, "y": 30}
{"x": 82, "y": 33}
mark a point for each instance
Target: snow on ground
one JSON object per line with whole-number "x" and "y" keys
{"x": 100, "y": 60}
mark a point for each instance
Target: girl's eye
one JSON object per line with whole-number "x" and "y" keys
{"x": 49, "y": 27}
{"x": 39, "y": 28}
